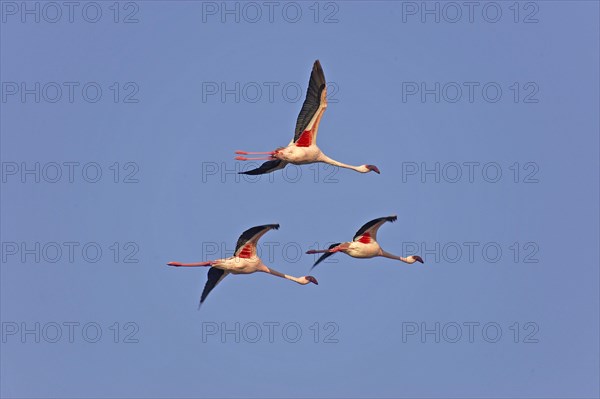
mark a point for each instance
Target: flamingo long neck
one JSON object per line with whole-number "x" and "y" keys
{"x": 392, "y": 256}
{"x": 326, "y": 159}
{"x": 279, "y": 274}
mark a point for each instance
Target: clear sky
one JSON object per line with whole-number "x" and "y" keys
{"x": 484, "y": 124}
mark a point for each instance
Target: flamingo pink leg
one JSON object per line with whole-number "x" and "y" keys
{"x": 339, "y": 248}
{"x": 317, "y": 251}
{"x": 254, "y": 159}
{"x": 322, "y": 251}
{"x": 254, "y": 153}
{"x": 190, "y": 264}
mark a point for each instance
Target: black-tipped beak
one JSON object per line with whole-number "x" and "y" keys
{"x": 374, "y": 169}
{"x": 312, "y": 280}
{"x": 419, "y": 259}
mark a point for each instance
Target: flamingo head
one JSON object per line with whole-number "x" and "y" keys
{"x": 371, "y": 168}
{"x": 416, "y": 258}
{"x": 310, "y": 279}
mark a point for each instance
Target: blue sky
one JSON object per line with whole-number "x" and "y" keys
{"x": 163, "y": 144}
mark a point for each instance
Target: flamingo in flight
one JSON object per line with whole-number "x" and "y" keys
{"x": 364, "y": 244}
{"x": 244, "y": 261}
{"x": 303, "y": 147}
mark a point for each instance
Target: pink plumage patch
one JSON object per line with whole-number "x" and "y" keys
{"x": 365, "y": 238}
{"x": 246, "y": 251}
{"x": 305, "y": 139}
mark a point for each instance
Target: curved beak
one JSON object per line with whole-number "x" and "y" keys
{"x": 418, "y": 259}
{"x": 374, "y": 169}
{"x": 312, "y": 280}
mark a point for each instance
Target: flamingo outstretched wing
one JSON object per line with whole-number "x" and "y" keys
{"x": 215, "y": 276}
{"x": 246, "y": 244}
{"x": 368, "y": 231}
{"x": 308, "y": 121}
{"x": 315, "y": 101}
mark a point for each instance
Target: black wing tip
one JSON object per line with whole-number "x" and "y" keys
{"x": 318, "y": 70}
{"x": 322, "y": 258}
{"x": 392, "y": 218}
{"x": 202, "y": 299}
{"x": 257, "y": 229}
{"x": 266, "y": 167}
{"x": 274, "y": 226}
{"x": 201, "y": 303}
{"x": 253, "y": 172}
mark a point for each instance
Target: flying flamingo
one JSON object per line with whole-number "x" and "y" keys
{"x": 244, "y": 261}
{"x": 303, "y": 147}
{"x": 364, "y": 244}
